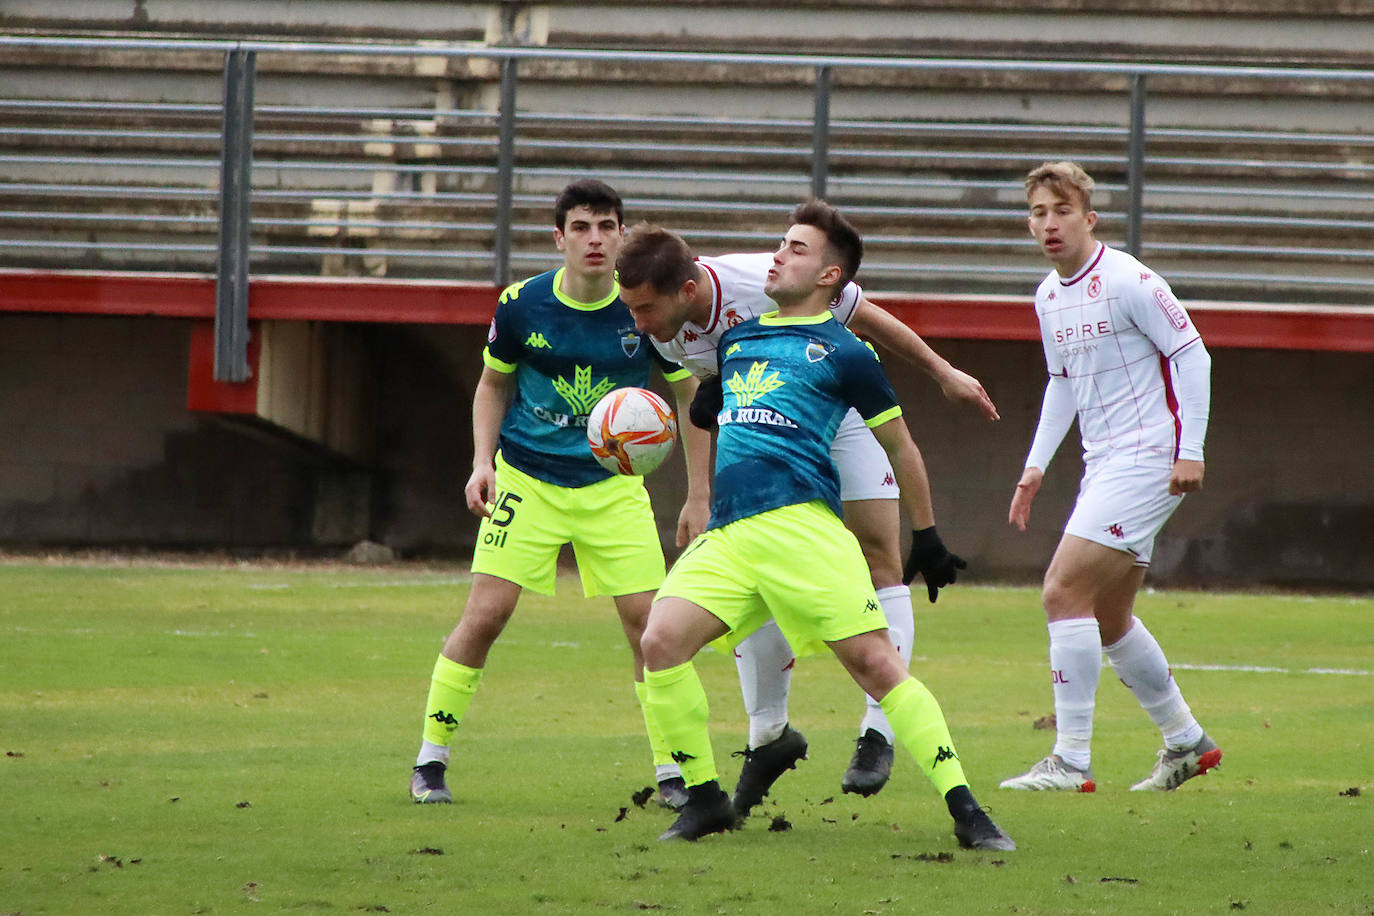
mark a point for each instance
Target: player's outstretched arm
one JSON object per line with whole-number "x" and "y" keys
{"x": 489, "y": 404}
{"x": 877, "y": 324}
{"x": 696, "y": 452}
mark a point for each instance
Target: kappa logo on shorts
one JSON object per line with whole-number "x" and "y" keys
{"x": 1115, "y": 530}
{"x": 870, "y": 606}
{"x": 889, "y": 480}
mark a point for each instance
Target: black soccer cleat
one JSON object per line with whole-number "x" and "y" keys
{"x": 708, "y": 810}
{"x": 763, "y": 765}
{"x": 871, "y": 766}
{"x": 672, "y": 793}
{"x": 427, "y": 784}
{"x": 975, "y": 830}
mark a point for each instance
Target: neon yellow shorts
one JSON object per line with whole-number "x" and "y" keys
{"x": 798, "y": 564}
{"x": 610, "y": 525}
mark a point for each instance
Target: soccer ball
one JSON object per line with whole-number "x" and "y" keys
{"x": 631, "y": 431}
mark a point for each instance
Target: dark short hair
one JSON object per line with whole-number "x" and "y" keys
{"x": 596, "y": 196}
{"x": 841, "y": 238}
{"x": 656, "y": 256}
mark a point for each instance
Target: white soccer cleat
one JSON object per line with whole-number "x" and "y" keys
{"x": 1053, "y": 774}
{"x": 1174, "y": 768}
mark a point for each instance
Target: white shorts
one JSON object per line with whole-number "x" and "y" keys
{"x": 1123, "y": 507}
{"x": 865, "y": 472}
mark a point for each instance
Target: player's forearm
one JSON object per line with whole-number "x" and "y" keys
{"x": 696, "y": 443}
{"x": 1195, "y": 398}
{"x": 910, "y": 470}
{"x": 489, "y": 404}
{"x": 1057, "y": 413}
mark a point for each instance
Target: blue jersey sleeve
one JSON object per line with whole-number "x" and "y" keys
{"x": 505, "y": 340}
{"x": 866, "y": 386}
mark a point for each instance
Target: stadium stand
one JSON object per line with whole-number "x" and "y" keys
{"x": 376, "y": 159}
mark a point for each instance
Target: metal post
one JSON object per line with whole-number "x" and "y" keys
{"x": 820, "y": 134}
{"x": 235, "y": 182}
{"x": 1135, "y": 167}
{"x": 505, "y": 177}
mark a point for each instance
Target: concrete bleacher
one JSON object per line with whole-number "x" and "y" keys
{"x": 928, "y": 161}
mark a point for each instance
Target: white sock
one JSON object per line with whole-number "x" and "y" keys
{"x": 901, "y": 629}
{"x": 1140, "y": 663}
{"x": 764, "y": 662}
{"x": 430, "y": 752}
{"x": 1075, "y": 668}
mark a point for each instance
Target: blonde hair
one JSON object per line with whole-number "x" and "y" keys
{"x": 1064, "y": 179}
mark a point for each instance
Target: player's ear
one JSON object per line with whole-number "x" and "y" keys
{"x": 831, "y": 275}
{"x": 1091, "y": 218}
{"x": 688, "y": 290}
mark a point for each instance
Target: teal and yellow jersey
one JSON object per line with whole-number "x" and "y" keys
{"x": 565, "y": 355}
{"x": 787, "y": 383}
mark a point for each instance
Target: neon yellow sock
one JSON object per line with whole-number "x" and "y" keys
{"x": 920, "y": 725}
{"x": 675, "y": 700}
{"x": 657, "y": 744}
{"x": 450, "y": 691}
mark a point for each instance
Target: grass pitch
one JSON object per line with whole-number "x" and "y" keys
{"x": 238, "y": 738}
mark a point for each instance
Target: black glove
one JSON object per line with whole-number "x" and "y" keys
{"x": 929, "y": 557}
{"x": 706, "y": 403}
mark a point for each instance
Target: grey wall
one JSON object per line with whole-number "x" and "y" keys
{"x": 97, "y": 448}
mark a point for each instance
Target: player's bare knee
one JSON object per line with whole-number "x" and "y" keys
{"x": 659, "y": 649}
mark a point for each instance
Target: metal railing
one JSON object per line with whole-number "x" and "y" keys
{"x": 1260, "y": 212}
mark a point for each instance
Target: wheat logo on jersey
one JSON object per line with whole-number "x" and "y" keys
{"x": 581, "y": 395}
{"x": 630, "y": 341}
{"x": 1171, "y": 309}
{"x": 747, "y": 390}
{"x": 817, "y": 351}
{"x": 754, "y": 385}
{"x": 1095, "y": 286}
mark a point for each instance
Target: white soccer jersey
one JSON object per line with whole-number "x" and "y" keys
{"x": 1111, "y": 330}
{"x": 737, "y": 295}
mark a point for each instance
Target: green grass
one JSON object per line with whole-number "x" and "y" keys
{"x": 238, "y": 739}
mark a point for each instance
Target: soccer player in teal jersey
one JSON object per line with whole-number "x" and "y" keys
{"x": 788, "y": 378}
{"x": 558, "y": 342}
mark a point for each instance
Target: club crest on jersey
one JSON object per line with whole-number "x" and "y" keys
{"x": 491, "y": 331}
{"x": 630, "y": 341}
{"x": 732, "y": 318}
{"x": 817, "y": 351}
{"x": 1095, "y": 286}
